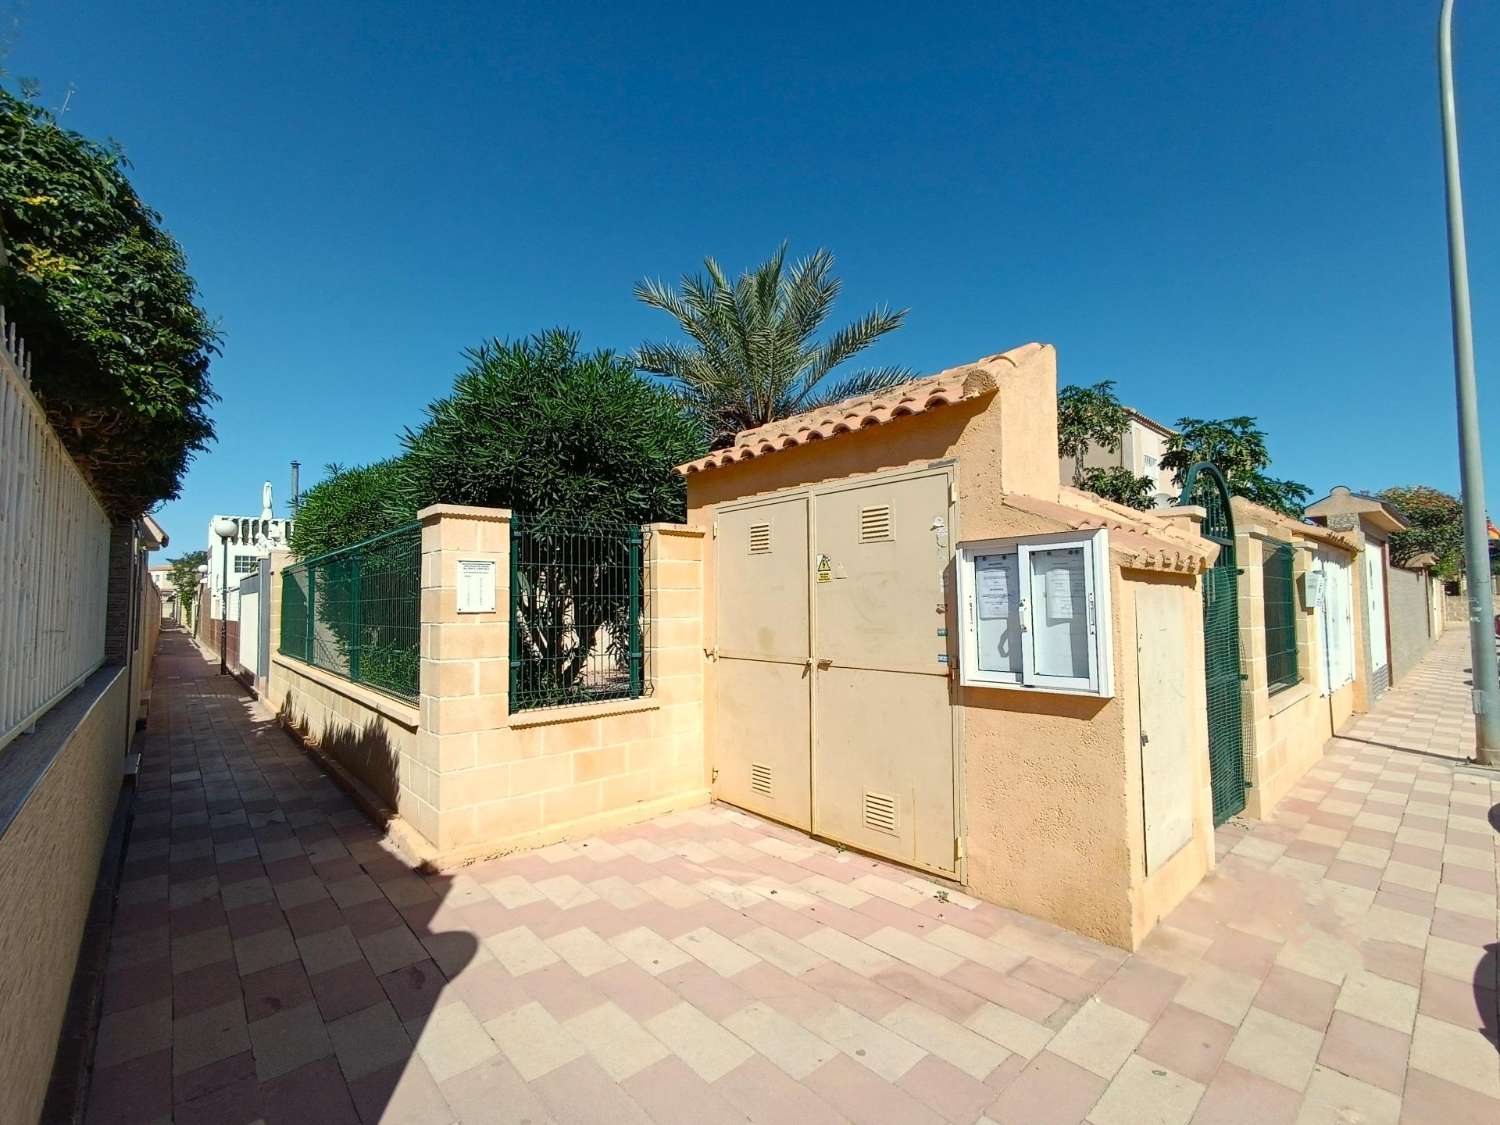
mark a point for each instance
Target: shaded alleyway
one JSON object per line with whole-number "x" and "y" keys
{"x": 272, "y": 960}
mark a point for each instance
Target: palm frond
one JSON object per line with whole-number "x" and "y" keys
{"x": 871, "y": 381}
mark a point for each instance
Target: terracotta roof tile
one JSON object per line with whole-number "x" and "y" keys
{"x": 958, "y": 384}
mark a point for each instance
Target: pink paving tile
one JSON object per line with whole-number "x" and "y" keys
{"x": 560, "y": 990}
{"x": 371, "y": 917}
{"x": 206, "y": 987}
{"x": 1354, "y": 874}
{"x": 865, "y": 1098}
{"x": 1395, "y": 897}
{"x": 581, "y": 1091}
{"x": 344, "y": 990}
{"x": 1050, "y": 1091}
{"x": 270, "y": 990}
{"x": 238, "y": 1103}
{"x": 248, "y": 921}
{"x": 1464, "y": 928}
{"x": 1393, "y": 960}
{"x": 706, "y": 990}
{"x": 1433, "y": 1101}
{"x": 1051, "y": 979}
{"x": 1242, "y": 953}
{"x": 1469, "y": 878}
{"x": 132, "y": 1093}
{"x": 215, "y": 1076}
{"x": 1417, "y": 857}
{"x": 132, "y": 985}
{"x": 760, "y": 1090}
{"x": 945, "y": 995}
{"x": 1140, "y": 988}
{"x": 1298, "y": 997}
{"x": 401, "y": 1092}
{"x": 998, "y": 988}
{"x": 846, "y": 987}
{"x": 1457, "y": 1002}
{"x": 671, "y": 1094}
{"x": 416, "y": 990}
{"x": 489, "y": 990}
{"x": 314, "y": 918}
{"x": 941, "y": 1086}
{"x": 1188, "y": 1042}
{"x": 314, "y": 1094}
{"x": 1366, "y": 1051}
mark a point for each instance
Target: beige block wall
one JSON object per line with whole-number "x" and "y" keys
{"x": 1285, "y": 733}
{"x": 367, "y": 733}
{"x": 485, "y": 781}
{"x": 49, "y": 860}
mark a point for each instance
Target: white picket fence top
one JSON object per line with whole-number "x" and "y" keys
{"x": 54, "y": 556}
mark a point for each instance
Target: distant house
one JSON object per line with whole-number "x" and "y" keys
{"x": 253, "y": 541}
{"x": 1142, "y": 448}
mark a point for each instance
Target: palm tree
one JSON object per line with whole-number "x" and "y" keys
{"x": 752, "y": 357}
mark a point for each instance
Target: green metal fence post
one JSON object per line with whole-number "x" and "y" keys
{"x": 515, "y": 618}
{"x": 356, "y": 561}
{"x": 635, "y": 612}
{"x": 312, "y": 613}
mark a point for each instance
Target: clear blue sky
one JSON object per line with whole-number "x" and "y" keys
{"x": 1226, "y": 208}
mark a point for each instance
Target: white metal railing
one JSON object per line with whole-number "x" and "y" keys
{"x": 54, "y": 556}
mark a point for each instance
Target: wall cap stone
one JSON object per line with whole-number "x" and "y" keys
{"x": 577, "y": 712}
{"x": 403, "y": 713}
{"x": 688, "y": 530}
{"x": 465, "y": 511}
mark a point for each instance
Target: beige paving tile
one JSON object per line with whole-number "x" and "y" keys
{"x": 513, "y": 891}
{"x": 973, "y": 1054}
{"x": 618, "y": 1043}
{"x": 716, "y": 951}
{"x": 534, "y": 1042}
{"x": 705, "y": 1046}
{"x": 974, "y": 948}
{"x": 648, "y": 949}
{"x": 1144, "y": 1091}
{"x": 585, "y": 951}
{"x": 908, "y": 947}
{"x": 451, "y": 1041}
{"x": 520, "y": 951}
{"x": 1221, "y": 993}
{"x": 1099, "y": 1038}
{"x": 1336, "y": 1099}
{"x": 1379, "y": 1000}
{"x": 1011, "y": 1030}
{"x": 840, "y": 894}
{"x": 1450, "y": 959}
{"x": 1275, "y": 1048}
{"x": 848, "y": 951}
{"x": 788, "y": 1044}
{"x": 787, "y": 955}
{"x": 866, "y": 1042}
{"x": 1461, "y": 1055}
{"x": 566, "y": 892}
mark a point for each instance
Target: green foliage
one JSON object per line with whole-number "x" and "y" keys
{"x": 103, "y": 298}
{"x": 1238, "y": 448}
{"x": 184, "y": 578}
{"x": 536, "y": 426}
{"x": 752, "y": 356}
{"x": 1086, "y": 417}
{"x": 350, "y": 505}
{"x": 1437, "y": 526}
{"x": 1120, "y": 485}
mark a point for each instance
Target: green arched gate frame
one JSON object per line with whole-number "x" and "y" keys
{"x": 1206, "y": 487}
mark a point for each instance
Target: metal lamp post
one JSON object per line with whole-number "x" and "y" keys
{"x": 224, "y": 528}
{"x": 1471, "y": 461}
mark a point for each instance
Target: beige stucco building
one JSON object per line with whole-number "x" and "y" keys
{"x": 1142, "y": 447}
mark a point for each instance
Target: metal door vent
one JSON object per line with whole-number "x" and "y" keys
{"x": 760, "y": 778}
{"x": 880, "y": 812}
{"x": 760, "y": 539}
{"x": 875, "y": 524}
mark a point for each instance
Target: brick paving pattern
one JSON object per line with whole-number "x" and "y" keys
{"x": 272, "y": 960}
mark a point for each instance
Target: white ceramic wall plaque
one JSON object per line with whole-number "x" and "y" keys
{"x": 476, "y": 586}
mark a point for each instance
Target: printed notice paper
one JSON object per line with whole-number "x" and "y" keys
{"x": 992, "y": 576}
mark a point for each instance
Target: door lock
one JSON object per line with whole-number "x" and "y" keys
{"x": 824, "y": 662}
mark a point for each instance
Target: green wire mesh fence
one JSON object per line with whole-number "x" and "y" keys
{"x": 1279, "y": 587}
{"x": 578, "y": 612}
{"x": 356, "y": 612}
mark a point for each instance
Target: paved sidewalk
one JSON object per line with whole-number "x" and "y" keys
{"x": 271, "y": 960}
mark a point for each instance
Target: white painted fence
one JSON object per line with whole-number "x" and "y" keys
{"x": 54, "y": 556}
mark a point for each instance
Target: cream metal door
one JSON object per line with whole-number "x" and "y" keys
{"x": 763, "y": 670}
{"x": 883, "y": 772}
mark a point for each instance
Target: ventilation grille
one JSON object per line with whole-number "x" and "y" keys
{"x": 760, "y": 778}
{"x": 880, "y": 812}
{"x": 760, "y": 539}
{"x": 875, "y": 524}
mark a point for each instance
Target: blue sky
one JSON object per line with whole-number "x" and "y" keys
{"x": 1225, "y": 208}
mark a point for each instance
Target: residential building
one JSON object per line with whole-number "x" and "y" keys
{"x": 257, "y": 536}
{"x": 1142, "y": 447}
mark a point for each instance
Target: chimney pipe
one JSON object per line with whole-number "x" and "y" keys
{"x": 296, "y": 486}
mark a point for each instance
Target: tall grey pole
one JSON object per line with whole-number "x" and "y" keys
{"x": 224, "y": 609}
{"x": 1471, "y": 461}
